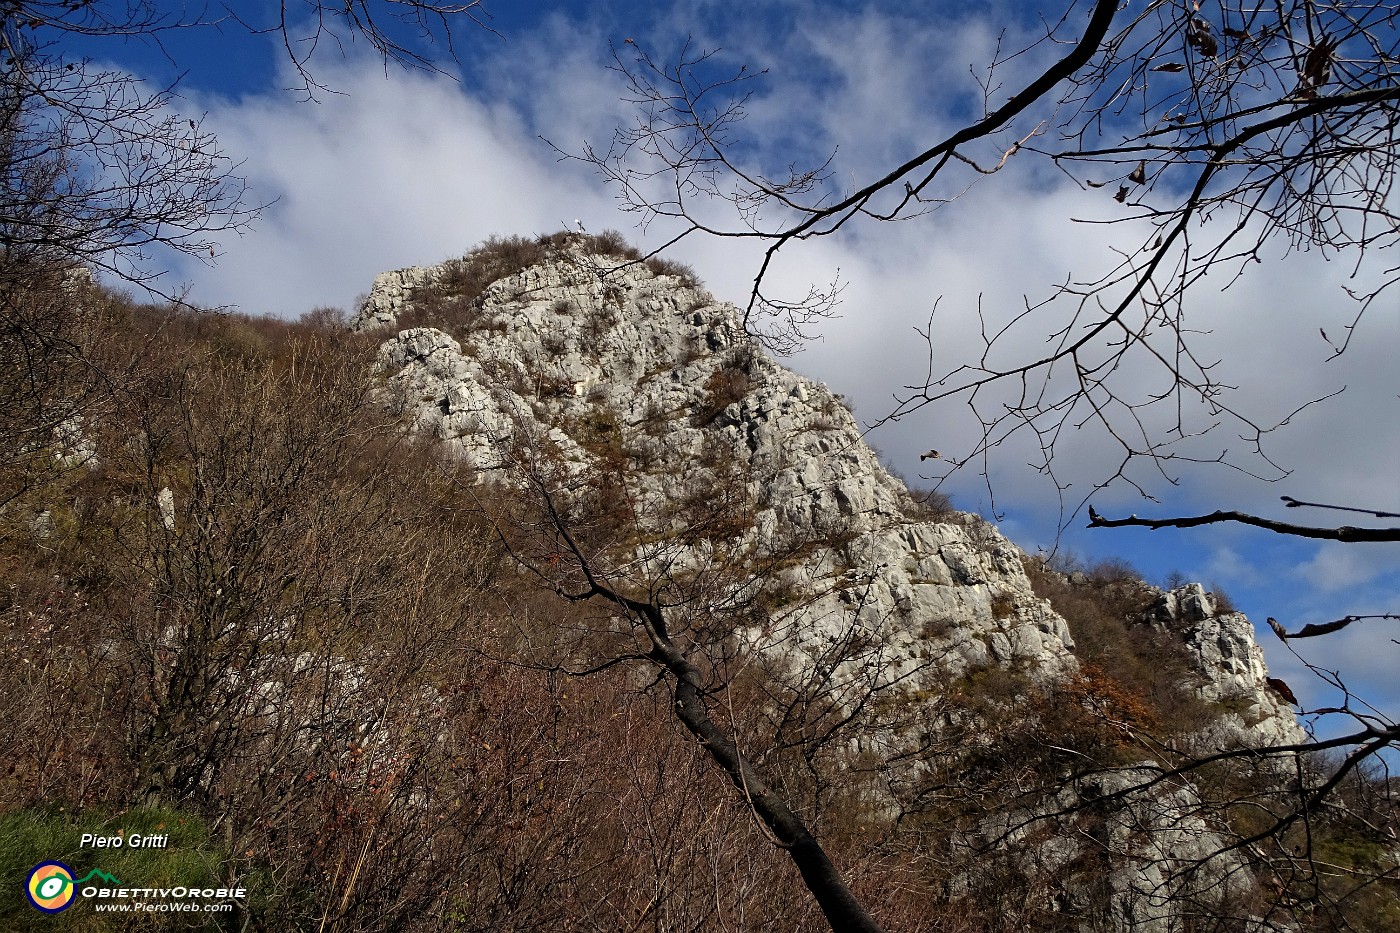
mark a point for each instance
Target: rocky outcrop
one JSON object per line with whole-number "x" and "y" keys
{"x": 390, "y": 293}
{"x": 597, "y": 358}
{"x": 1158, "y": 856}
{"x": 1234, "y": 681}
{"x": 606, "y": 367}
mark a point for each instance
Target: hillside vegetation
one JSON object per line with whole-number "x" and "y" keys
{"x": 243, "y": 603}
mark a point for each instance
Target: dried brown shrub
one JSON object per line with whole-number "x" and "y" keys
{"x": 928, "y": 505}
{"x": 724, "y": 387}
{"x": 659, "y": 265}
{"x": 611, "y": 243}
{"x": 1102, "y": 613}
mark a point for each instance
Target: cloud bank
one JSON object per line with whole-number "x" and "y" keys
{"x": 409, "y": 168}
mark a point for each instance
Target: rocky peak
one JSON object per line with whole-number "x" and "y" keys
{"x": 1233, "y": 677}
{"x": 613, "y": 365}
{"x": 608, "y": 359}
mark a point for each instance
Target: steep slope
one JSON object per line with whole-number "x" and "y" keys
{"x": 604, "y": 357}
{"x": 576, "y": 355}
{"x": 1231, "y": 669}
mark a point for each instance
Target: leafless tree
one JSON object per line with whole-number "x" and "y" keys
{"x": 1228, "y": 132}
{"x": 674, "y": 587}
{"x": 101, "y": 174}
{"x": 1375, "y": 731}
{"x": 394, "y": 29}
{"x": 282, "y": 587}
{"x": 46, "y": 384}
{"x": 128, "y": 172}
{"x": 1220, "y": 128}
{"x": 293, "y": 647}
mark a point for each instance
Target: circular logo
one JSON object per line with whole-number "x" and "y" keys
{"x": 50, "y": 887}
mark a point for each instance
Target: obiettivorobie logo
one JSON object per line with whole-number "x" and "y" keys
{"x": 52, "y": 888}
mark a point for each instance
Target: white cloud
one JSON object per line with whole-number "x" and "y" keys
{"x": 1361, "y": 658}
{"x": 882, "y": 93}
{"x": 391, "y": 171}
{"x": 411, "y": 168}
{"x": 1226, "y": 565}
{"x": 1339, "y": 566}
{"x": 1008, "y": 240}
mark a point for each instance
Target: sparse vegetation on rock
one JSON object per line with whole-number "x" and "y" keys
{"x": 399, "y": 619}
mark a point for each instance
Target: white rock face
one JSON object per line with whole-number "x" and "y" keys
{"x": 1233, "y": 673}
{"x": 389, "y": 293}
{"x": 589, "y": 357}
{"x": 575, "y": 359}
{"x": 165, "y": 506}
{"x": 74, "y": 447}
{"x": 583, "y": 352}
{"x": 1152, "y": 833}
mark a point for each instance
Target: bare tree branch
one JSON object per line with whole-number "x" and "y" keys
{"x": 1342, "y": 533}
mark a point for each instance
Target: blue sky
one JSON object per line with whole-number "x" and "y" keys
{"x": 391, "y": 168}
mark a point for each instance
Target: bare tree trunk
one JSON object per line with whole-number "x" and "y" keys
{"x": 843, "y": 911}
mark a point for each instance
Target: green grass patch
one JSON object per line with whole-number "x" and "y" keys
{"x": 189, "y": 859}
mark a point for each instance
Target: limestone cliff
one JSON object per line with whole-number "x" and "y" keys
{"x": 592, "y": 352}
{"x": 1232, "y": 673}
{"x": 601, "y": 359}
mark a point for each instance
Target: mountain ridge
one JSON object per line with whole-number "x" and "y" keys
{"x": 585, "y": 331}
{"x": 551, "y": 531}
